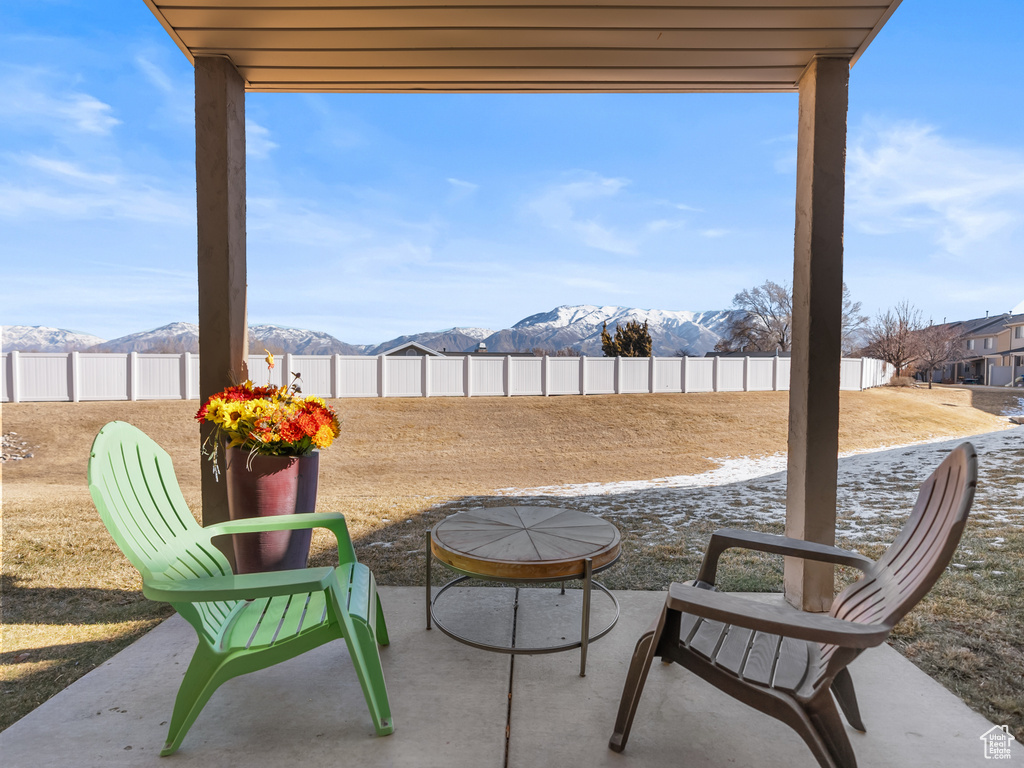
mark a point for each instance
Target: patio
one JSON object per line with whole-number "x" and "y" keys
{"x": 452, "y": 705}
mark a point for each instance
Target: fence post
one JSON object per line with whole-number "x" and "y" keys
{"x": 133, "y": 376}
{"x": 583, "y": 374}
{"x": 650, "y": 377}
{"x": 508, "y": 376}
{"x": 186, "y": 373}
{"x": 545, "y": 376}
{"x": 74, "y": 393}
{"x": 714, "y": 373}
{"x": 468, "y": 375}
{"x": 335, "y": 375}
{"x": 382, "y": 370}
{"x": 14, "y": 370}
{"x": 426, "y": 375}
{"x": 618, "y": 375}
{"x": 775, "y": 372}
{"x": 686, "y": 371}
{"x": 746, "y": 373}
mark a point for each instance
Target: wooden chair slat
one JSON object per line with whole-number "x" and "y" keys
{"x": 706, "y": 640}
{"x": 791, "y": 666}
{"x": 733, "y": 652}
{"x": 761, "y": 658}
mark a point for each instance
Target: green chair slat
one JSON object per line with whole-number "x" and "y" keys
{"x": 134, "y": 488}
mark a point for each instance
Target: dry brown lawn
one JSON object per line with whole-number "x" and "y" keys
{"x": 70, "y": 599}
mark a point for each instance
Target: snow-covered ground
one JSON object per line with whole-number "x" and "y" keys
{"x": 876, "y": 491}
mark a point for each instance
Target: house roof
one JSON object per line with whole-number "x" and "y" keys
{"x": 522, "y": 45}
{"x": 982, "y": 326}
{"x": 420, "y": 348}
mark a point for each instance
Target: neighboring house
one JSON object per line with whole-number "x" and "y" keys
{"x": 1014, "y": 354}
{"x": 412, "y": 349}
{"x": 988, "y": 342}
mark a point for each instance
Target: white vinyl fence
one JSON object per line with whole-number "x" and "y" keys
{"x": 81, "y": 376}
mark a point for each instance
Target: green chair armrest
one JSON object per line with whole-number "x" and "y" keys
{"x": 774, "y": 619}
{"x": 241, "y": 587}
{"x": 727, "y": 538}
{"x": 332, "y": 521}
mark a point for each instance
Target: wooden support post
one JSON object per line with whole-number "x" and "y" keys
{"x": 220, "y": 203}
{"x": 817, "y": 324}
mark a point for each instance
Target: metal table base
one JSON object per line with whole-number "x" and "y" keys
{"x": 585, "y": 637}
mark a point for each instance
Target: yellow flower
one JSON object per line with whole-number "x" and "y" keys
{"x": 269, "y": 358}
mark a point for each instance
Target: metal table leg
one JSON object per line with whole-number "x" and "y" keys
{"x": 429, "y": 558}
{"x": 588, "y": 575}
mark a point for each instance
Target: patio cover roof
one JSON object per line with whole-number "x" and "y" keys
{"x": 487, "y": 46}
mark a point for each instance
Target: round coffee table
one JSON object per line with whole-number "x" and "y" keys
{"x": 525, "y": 545}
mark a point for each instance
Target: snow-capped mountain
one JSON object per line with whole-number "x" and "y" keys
{"x": 575, "y": 327}
{"x": 170, "y": 338}
{"x": 451, "y": 340}
{"x": 40, "y": 338}
{"x": 579, "y": 328}
{"x": 298, "y": 341}
{"x": 184, "y": 337}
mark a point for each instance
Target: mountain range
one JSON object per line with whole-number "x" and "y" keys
{"x": 568, "y": 327}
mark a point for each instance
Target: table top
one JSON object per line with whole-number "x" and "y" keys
{"x": 524, "y": 542}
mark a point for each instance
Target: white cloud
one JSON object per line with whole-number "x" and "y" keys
{"x": 908, "y": 177}
{"x": 63, "y": 189}
{"x": 557, "y": 207}
{"x": 713, "y": 233}
{"x": 463, "y": 185}
{"x": 257, "y": 140}
{"x": 155, "y": 75}
{"x": 26, "y": 101}
{"x": 69, "y": 171}
{"x": 662, "y": 225}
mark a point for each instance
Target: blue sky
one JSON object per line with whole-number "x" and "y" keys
{"x": 372, "y": 216}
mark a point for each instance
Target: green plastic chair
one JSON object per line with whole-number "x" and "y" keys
{"x": 246, "y": 622}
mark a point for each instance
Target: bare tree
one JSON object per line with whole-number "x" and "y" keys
{"x": 938, "y": 345}
{"x": 765, "y": 323}
{"x": 854, "y": 324}
{"x": 893, "y": 335}
{"x": 769, "y": 320}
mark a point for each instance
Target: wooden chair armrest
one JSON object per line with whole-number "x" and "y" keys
{"x": 774, "y": 619}
{"x": 727, "y": 538}
{"x": 241, "y": 587}
{"x": 332, "y": 521}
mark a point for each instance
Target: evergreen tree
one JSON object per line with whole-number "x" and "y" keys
{"x": 633, "y": 340}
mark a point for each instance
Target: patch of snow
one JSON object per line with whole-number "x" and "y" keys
{"x": 1018, "y": 411}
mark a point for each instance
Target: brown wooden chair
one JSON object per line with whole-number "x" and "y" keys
{"x": 789, "y": 664}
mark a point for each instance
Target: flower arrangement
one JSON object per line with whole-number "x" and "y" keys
{"x": 268, "y": 421}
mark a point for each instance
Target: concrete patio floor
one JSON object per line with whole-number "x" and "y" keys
{"x": 453, "y": 706}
